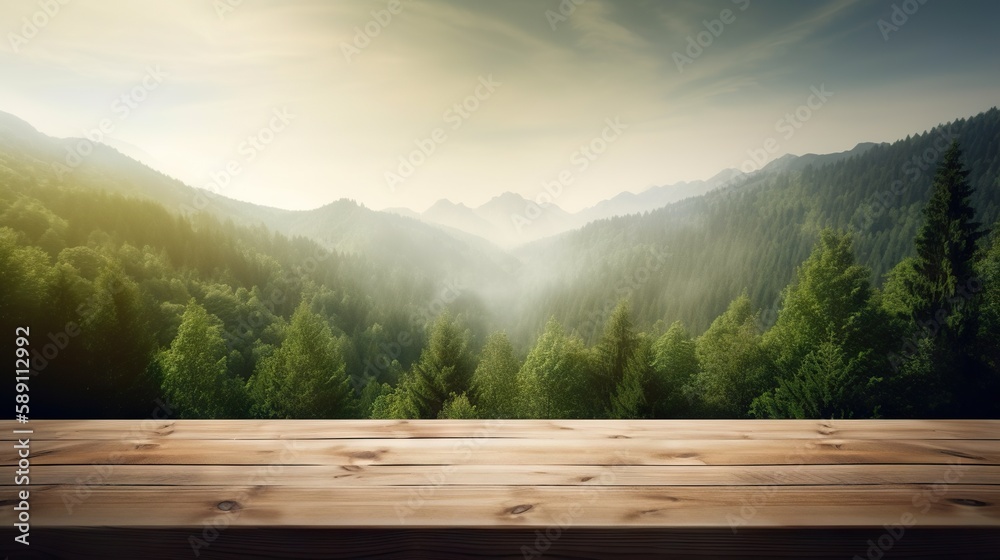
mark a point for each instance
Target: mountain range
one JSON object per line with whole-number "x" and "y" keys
{"x": 684, "y": 250}
{"x": 509, "y": 220}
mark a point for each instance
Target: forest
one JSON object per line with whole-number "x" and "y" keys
{"x": 868, "y": 288}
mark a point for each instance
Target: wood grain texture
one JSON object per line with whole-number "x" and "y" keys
{"x": 489, "y": 451}
{"x": 515, "y": 506}
{"x": 610, "y": 488}
{"x": 884, "y": 430}
{"x": 515, "y": 475}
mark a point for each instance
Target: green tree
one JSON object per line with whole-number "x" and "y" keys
{"x": 831, "y": 296}
{"x": 116, "y": 334}
{"x": 939, "y": 354}
{"x": 675, "y": 368}
{"x": 734, "y": 366}
{"x": 305, "y": 377}
{"x": 616, "y": 353}
{"x": 824, "y": 386}
{"x": 553, "y": 382}
{"x": 495, "y": 380}
{"x": 194, "y": 368}
{"x": 458, "y": 407}
{"x": 947, "y": 241}
{"x": 629, "y": 399}
{"x": 445, "y": 367}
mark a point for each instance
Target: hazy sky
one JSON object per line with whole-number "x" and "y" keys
{"x": 354, "y": 95}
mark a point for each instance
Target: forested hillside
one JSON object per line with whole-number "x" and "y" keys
{"x": 688, "y": 260}
{"x": 869, "y": 287}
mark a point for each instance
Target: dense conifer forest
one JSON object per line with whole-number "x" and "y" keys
{"x": 864, "y": 288}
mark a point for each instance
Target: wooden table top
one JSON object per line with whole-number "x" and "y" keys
{"x": 510, "y": 473}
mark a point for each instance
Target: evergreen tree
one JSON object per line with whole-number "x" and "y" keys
{"x": 445, "y": 367}
{"x": 616, "y": 353}
{"x": 305, "y": 377}
{"x": 495, "y": 379}
{"x": 116, "y": 333}
{"x": 946, "y": 243}
{"x": 826, "y": 385}
{"x": 553, "y": 382}
{"x": 675, "y": 368}
{"x": 194, "y": 368}
{"x": 458, "y": 407}
{"x": 830, "y": 297}
{"x": 734, "y": 367}
{"x": 940, "y": 355}
{"x": 629, "y": 399}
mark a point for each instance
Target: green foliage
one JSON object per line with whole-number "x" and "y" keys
{"x": 939, "y": 305}
{"x": 826, "y": 385}
{"x": 458, "y": 407}
{"x": 616, "y": 352}
{"x": 674, "y": 371}
{"x": 734, "y": 366}
{"x": 305, "y": 377}
{"x": 629, "y": 399}
{"x": 194, "y": 368}
{"x": 226, "y": 321}
{"x": 830, "y": 297}
{"x": 495, "y": 380}
{"x": 553, "y": 382}
{"x": 445, "y": 367}
{"x": 947, "y": 239}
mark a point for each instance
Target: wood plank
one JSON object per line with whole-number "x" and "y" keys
{"x": 511, "y": 475}
{"x": 501, "y": 451}
{"x": 891, "y": 430}
{"x": 513, "y": 506}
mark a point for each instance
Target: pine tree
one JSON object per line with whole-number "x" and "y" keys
{"x": 945, "y": 317}
{"x": 553, "y": 382}
{"x": 458, "y": 407}
{"x": 675, "y": 367}
{"x": 946, "y": 243}
{"x": 826, "y": 385}
{"x": 616, "y": 352}
{"x": 734, "y": 367}
{"x": 495, "y": 379}
{"x": 445, "y": 367}
{"x": 629, "y": 399}
{"x": 305, "y": 377}
{"x": 831, "y": 295}
{"x": 194, "y": 368}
